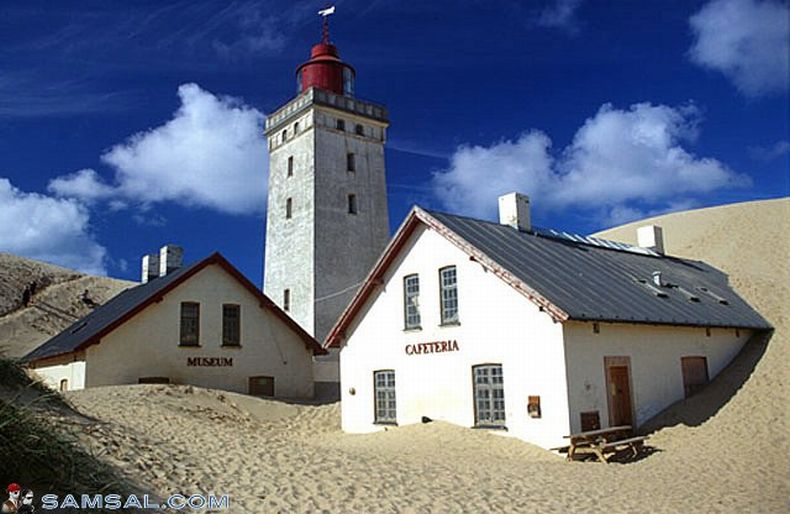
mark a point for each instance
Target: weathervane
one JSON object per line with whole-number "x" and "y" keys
{"x": 324, "y": 13}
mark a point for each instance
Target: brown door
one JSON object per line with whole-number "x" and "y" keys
{"x": 619, "y": 389}
{"x": 695, "y": 374}
{"x": 261, "y": 386}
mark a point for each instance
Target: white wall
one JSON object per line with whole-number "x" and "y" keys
{"x": 147, "y": 345}
{"x": 73, "y": 371}
{"x": 497, "y": 325}
{"x": 655, "y": 353}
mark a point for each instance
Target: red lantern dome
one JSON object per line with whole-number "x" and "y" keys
{"x": 325, "y": 70}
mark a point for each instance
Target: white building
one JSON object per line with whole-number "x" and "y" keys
{"x": 537, "y": 332}
{"x": 205, "y": 325}
{"x": 326, "y": 221}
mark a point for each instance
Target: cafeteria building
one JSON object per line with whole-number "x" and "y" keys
{"x": 204, "y": 324}
{"x": 537, "y": 332}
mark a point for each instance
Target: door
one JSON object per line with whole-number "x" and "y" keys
{"x": 385, "y": 408}
{"x": 618, "y": 386}
{"x": 489, "y": 393}
{"x": 695, "y": 374}
{"x": 261, "y": 386}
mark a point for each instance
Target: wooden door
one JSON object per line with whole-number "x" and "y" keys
{"x": 695, "y": 374}
{"x": 618, "y": 386}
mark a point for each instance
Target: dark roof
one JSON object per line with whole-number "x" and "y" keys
{"x": 107, "y": 317}
{"x": 578, "y": 278}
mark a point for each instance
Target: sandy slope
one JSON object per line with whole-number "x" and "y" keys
{"x": 55, "y": 304}
{"x": 727, "y": 454}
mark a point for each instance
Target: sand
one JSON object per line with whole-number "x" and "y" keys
{"x": 726, "y": 453}
{"x": 55, "y": 304}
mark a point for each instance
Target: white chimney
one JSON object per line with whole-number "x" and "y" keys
{"x": 514, "y": 211}
{"x": 651, "y": 237}
{"x": 150, "y": 267}
{"x": 170, "y": 259}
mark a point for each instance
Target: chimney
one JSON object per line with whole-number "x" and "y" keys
{"x": 170, "y": 259}
{"x": 150, "y": 267}
{"x": 651, "y": 237}
{"x": 514, "y": 211}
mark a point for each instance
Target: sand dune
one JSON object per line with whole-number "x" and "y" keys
{"x": 55, "y": 302}
{"x": 725, "y": 453}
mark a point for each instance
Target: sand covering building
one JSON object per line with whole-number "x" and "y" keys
{"x": 204, "y": 324}
{"x": 538, "y": 332}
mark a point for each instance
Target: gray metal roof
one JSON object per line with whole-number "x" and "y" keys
{"x": 594, "y": 281}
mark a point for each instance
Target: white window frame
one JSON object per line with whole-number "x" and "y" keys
{"x": 385, "y": 407}
{"x": 448, "y": 295}
{"x": 489, "y": 395}
{"x": 411, "y": 302}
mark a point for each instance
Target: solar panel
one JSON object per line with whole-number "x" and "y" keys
{"x": 593, "y": 241}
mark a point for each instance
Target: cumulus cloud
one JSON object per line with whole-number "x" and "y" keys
{"x": 560, "y": 14}
{"x": 619, "y": 163}
{"x": 210, "y": 154}
{"x": 747, "y": 40}
{"x": 50, "y": 229}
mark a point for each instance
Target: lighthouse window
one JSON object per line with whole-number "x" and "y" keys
{"x": 411, "y": 301}
{"x": 341, "y": 125}
{"x": 190, "y": 324}
{"x": 350, "y": 164}
{"x": 489, "y": 395}
{"x": 296, "y": 128}
{"x": 286, "y": 300}
{"x": 448, "y": 286}
{"x": 285, "y": 135}
{"x": 290, "y": 166}
{"x": 360, "y": 130}
{"x": 384, "y": 390}
{"x": 288, "y": 208}
{"x": 352, "y": 204}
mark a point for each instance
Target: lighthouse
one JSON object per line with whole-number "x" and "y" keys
{"x": 327, "y": 219}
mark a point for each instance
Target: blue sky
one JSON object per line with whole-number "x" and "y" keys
{"x": 126, "y": 125}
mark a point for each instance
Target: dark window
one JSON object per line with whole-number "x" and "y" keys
{"x": 231, "y": 325}
{"x": 350, "y": 164}
{"x": 286, "y": 300}
{"x": 411, "y": 301}
{"x": 190, "y": 324}
{"x": 341, "y": 125}
{"x": 384, "y": 392}
{"x": 360, "y": 130}
{"x": 64, "y": 384}
{"x": 261, "y": 386}
{"x": 153, "y": 380}
{"x": 285, "y": 135}
{"x": 288, "y": 208}
{"x": 590, "y": 420}
{"x": 448, "y": 289}
{"x": 290, "y": 166}
{"x": 352, "y": 204}
{"x": 695, "y": 374}
{"x": 489, "y": 393}
{"x": 296, "y": 128}
{"x": 596, "y": 328}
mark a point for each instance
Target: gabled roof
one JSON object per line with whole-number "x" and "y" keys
{"x": 577, "y": 278}
{"x": 106, "y": 318}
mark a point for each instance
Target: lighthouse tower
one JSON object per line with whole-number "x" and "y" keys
{"x": 327, "y": 219}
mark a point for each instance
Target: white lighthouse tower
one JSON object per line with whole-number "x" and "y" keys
{"x": 327, "y": 219}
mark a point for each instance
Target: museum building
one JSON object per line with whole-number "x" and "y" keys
{"x": 204, "y": 324}
{"x": 537, "y": 332}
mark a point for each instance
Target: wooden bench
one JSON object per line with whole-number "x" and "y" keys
{"x": 602, "y": 443}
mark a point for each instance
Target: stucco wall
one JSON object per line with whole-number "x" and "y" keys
{"x": 72, "y": 370}
{"x": 148, "y": 344}
{"x": 497, "y": 325}
{"x": 655, "y": 353}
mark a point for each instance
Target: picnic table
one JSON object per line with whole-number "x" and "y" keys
{"x": 603, "y": 442}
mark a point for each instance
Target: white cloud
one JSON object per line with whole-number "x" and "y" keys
{"x": 212, "y": 153}
{"x": 50, "y": 229}
{"x": 560, "y": 14}
{"x": 619, "y": 163}
{"x": 747, "y": 40}
{"x": 771, "y": 152}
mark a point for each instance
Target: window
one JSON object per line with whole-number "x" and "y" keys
{"x": 360, "y": 130}
{"x": 533, "y": 406}
{"x": 411, "y": 301}
{"x": 590, "y": 420}
{"x": 231, "y": 325}
{"x": 448, "y": 289}
{"x": 296, "y": 128}
{"x": 286, "y": 300}
{"x": 489, "y": 395}
{"x": 695, "y": 374}
{"x": 288, "y": 208}
{"x": 384, "y": 392}
{"x": 352, "y": 204}
{"x": 190, "y": 324}
{"x": 153, "y": 380}
{"x": 285, "y": 135}
{"x": 350, "y": 164}
{"x": 341, "y": 125}
{"x": 64, "y": 385}
{"x": 291, "y": 166}
{"x": 261, "y": 386}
